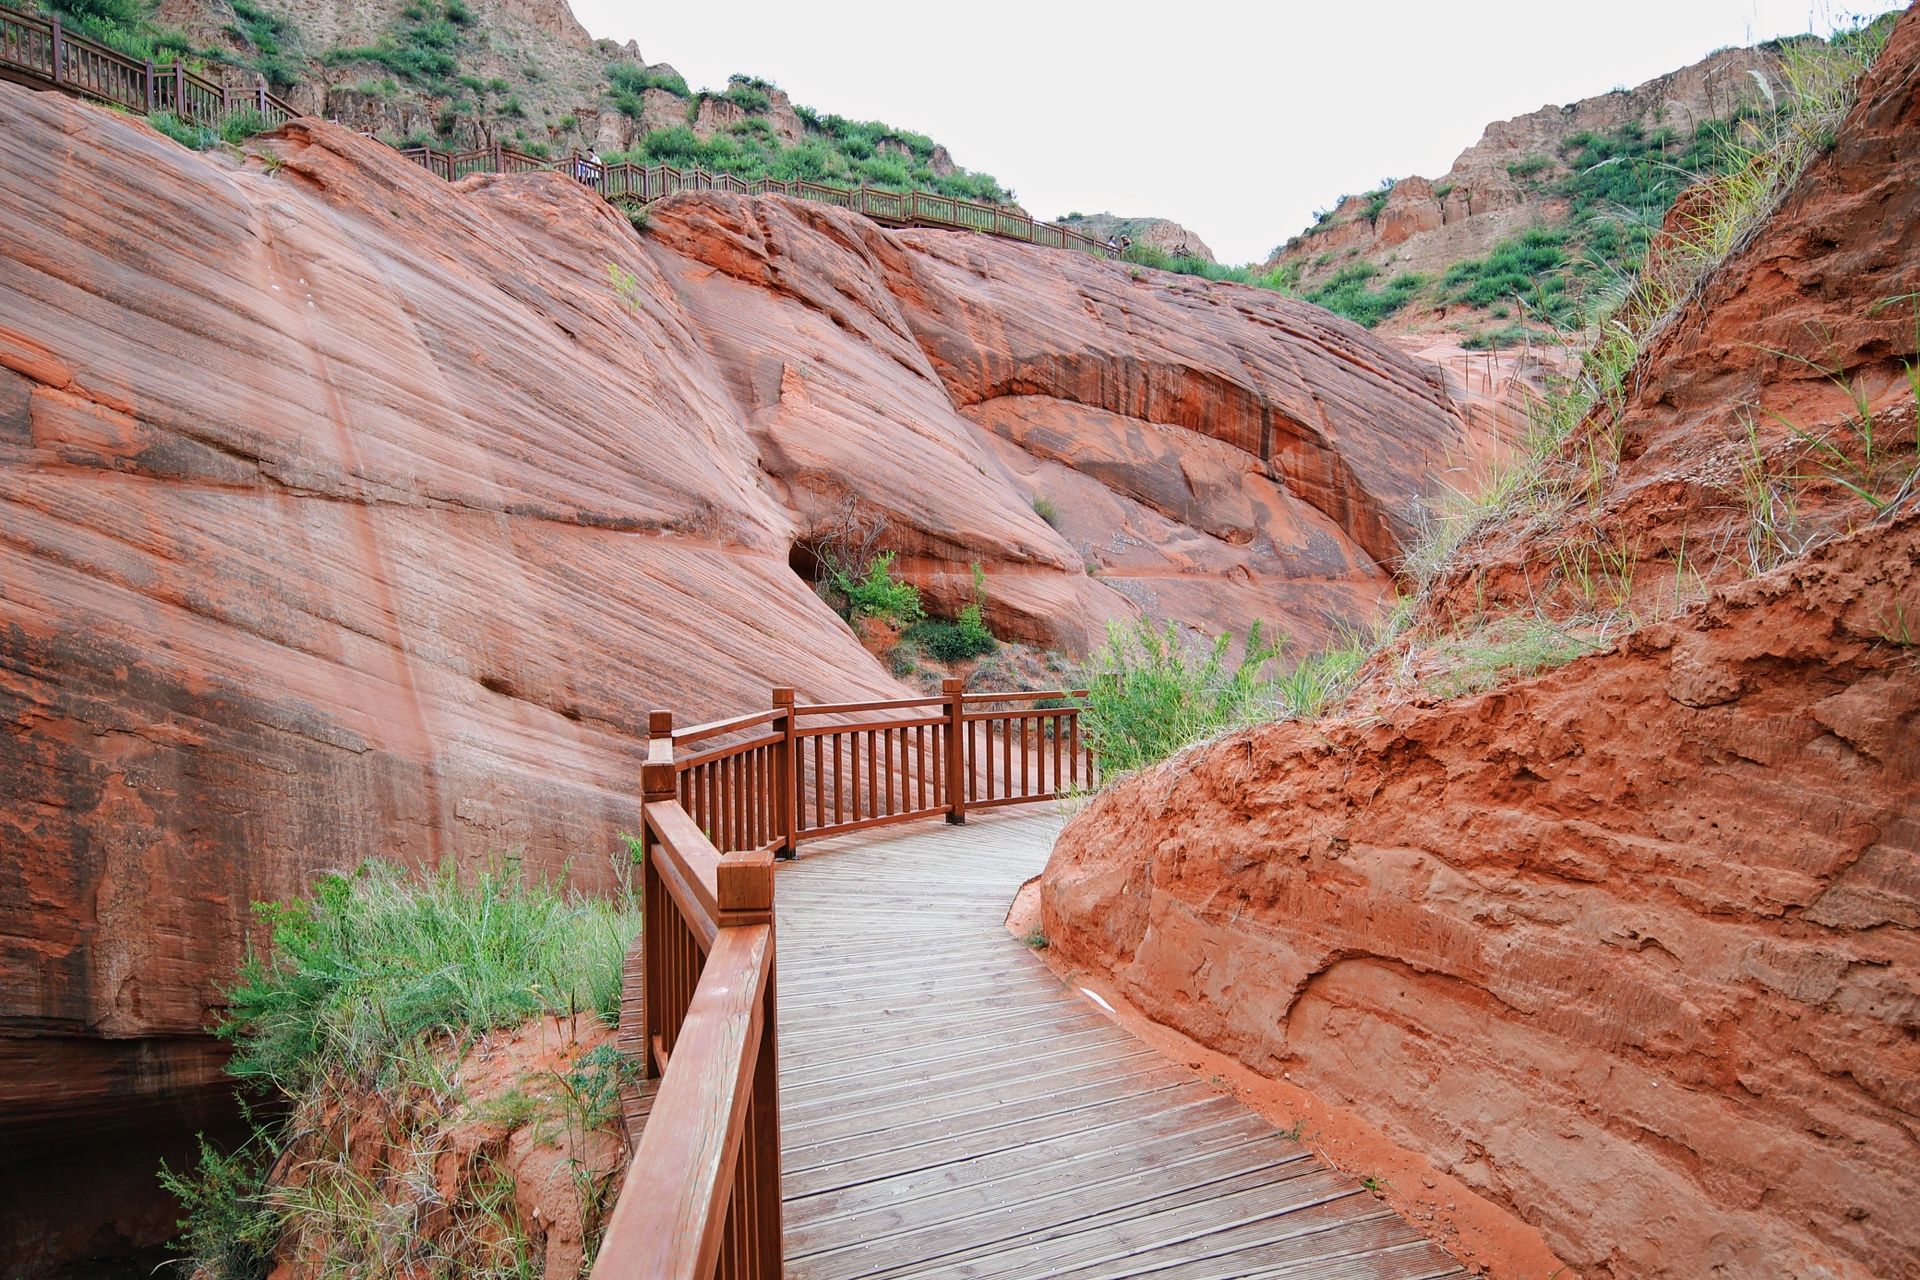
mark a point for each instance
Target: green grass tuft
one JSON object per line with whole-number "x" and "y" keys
{"x": 374, "y": 962}
{"x": 1150, "y": 693}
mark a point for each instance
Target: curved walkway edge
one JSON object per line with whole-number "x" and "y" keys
{"x": 949, "y": 1107}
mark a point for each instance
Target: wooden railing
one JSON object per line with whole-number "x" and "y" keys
{"x": 37, "y": 50}
{"x": 802, "y": 772}
{"x": 702, "y": 1193}
{"x": 632, "y": 184}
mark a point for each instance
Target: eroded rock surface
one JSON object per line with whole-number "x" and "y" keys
{"x": 345, "y": 513}
{"x": 1632, "y": 947}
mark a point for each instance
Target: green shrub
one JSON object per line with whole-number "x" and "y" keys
{"x": 964, "y": 637}
{"x": 748, "y": 93}
{"x": 1349, "y": 294}
{"x": 1377, "y": 200}
{"x": 376, "y": 961}
{"x": 187, "y": 135}
{"x": 241, "y": 125}
{"x": 1047, "y": 510}
{"x": 228, "y": 1226}
{"x": 630, "y": 83}
{"x": 904, "y": 659}
{"x": 1527, "y": 267}
{"x": 876, "y": 593}
{"x": 1529, "y": 167}
{"x": 1149, "y": 694}
{"x": 1148, "y": 255}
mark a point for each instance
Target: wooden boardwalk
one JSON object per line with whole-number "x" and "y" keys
{"x": 950, "y": 1108}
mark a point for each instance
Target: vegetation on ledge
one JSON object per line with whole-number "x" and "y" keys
{"x": 428, "y": 1044}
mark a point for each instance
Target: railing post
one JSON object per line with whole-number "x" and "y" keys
{"x": 149, "y": 84}
{"x": 656, "y": 785}
{"x": 787, "y": 787}
{"x": 59, "y": 50}
{"x": 951, "y": 689}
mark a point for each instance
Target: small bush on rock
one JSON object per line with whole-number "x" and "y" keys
{"x": 876, "y": 593}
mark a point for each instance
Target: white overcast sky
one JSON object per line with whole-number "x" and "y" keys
{"x": 1236, "y": 120}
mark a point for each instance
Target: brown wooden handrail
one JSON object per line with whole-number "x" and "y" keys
{"x": 701, "y": 1197}
{"x": 767, "y": 780}
{"x": 38, "y": 51}
{"x": 702, "y": 1193}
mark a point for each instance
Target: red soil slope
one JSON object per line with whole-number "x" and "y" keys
{"x": 343, "y": 513}
{"x": 1631, "y": 947}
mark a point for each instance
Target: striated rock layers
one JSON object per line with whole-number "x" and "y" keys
{"x": 1633, "y": 946}
{"x": 344, "y": 513}
{"x": 1630, "y": 947}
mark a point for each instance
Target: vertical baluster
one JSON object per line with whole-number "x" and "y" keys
{"x": 1058, "y": 732}
{"x": 987, "y": 737}
{"x": 920, "y": 766}
{"x": 873, "y": 775}
{"x": 741, "y": 784}
{"x": 954, "y": 764}
{"x": 939, "y": 765}
{"x": 819, "y": 784}
{"x": 889, "y": 772}
{"x": 838, "y": 785}
{"x": 1073, "y": 754}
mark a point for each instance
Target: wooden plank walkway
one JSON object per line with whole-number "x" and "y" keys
{"x": 950, "y": 1108}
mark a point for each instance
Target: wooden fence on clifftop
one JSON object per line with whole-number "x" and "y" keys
{"x": 702, "y": 1193}
{"x": 38, "y": 52}
{"x": 639, "y": 185}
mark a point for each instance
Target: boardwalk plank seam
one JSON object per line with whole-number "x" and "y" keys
{"x": 913, "y": 1148}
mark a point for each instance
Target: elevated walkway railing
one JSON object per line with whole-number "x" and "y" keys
{"x": 631, "y": 184}
{"x": 39, "y": 51}
{"x": 702, "y": 1193}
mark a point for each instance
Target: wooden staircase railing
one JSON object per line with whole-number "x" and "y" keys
{"x": 632, "y": 184}
{"x": 702, "y": 1193}
{"x": 38, "y": 51}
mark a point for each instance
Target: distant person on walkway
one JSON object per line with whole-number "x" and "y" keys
{"x": 1113, "y": 246}
{"x": 1126, "y": 243}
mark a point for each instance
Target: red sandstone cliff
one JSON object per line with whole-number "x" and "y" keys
{"x": 346, "y": 513}
{"x": 1631, "y": 947}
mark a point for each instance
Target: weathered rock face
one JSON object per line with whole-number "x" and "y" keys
{"x": 1504, "y": 183}
{"x": 344, "y": 513}
{"x": 1630, "y": 947}
{"x": 1633, "y": 947}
